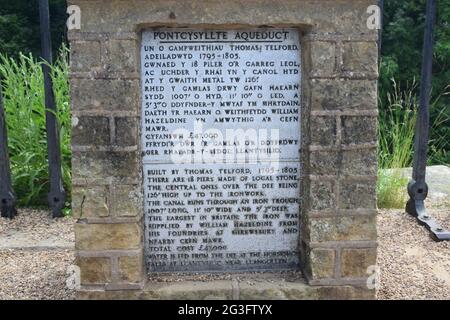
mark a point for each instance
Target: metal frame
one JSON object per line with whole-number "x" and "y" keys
{"x": 417, "y": 187}
{"x": 57, "y": 195}
{"x": 7, "y": 195}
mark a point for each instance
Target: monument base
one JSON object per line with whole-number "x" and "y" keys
{"x": 137, "y": 211}
{"x": 255, "y": 287}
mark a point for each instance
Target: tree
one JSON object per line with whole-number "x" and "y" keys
{"x": 404, "y": 23}
{"x": 19, "y": 26}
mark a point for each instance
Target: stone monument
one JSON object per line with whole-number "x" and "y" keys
{"x": 224, "y": 137}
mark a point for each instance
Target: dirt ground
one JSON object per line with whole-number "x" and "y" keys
{"x": 36, "y": 251}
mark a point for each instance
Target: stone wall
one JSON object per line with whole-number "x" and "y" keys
{"x": 339, "y": 127}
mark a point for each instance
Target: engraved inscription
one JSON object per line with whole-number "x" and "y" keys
{"x": 221, "y": 149}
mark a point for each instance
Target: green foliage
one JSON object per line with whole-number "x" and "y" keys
{"x": 19, "y": 26}
{"x": 402, "y": 43}
{"x": 23, "y": 92}
{"x": 439, "y": 146}
{"x": 391, "y": 189}
{"x": 401, "y": 60}
{"x": 396, "y": 131}
{"x": 396, "y": 140}
{"x": 13, "y": 34}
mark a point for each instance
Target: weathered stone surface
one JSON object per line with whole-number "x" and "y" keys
{"x": 128, "y": 200}
{"x": 343, "y": 228}
{"x": 361, "y": 57}
{"x": 226, "y": 290}
{"x": 322, "y": 263}
{"x": 105, "y": 164}
{"x": 90, "y": 202}
{"x": 323, "y": 57}
{"x": 349, "y": 162}
{"x": 358, "y": 194}
{"x": 190, "y": 290}
{"x": 358, "y": 228}
{"x": 354, "y": 293}
{"x": 85, "y": 56}
{"x": 360, "y": 162}
{"x": 88, "y": 131}
{"x": 131, "y": 268}
{"x": 324, "y": 163}
{"x": 94, "y": 270}
{"x": 359, "y": 129}
{"x": 126, "y": 131}
{"x": 322, "y": 195}
{"x": 106, "y": 95}
{"x": 116, "y": 36}
{"x": 323, "y": 131}
{"x": 277, "y": 291}
{"x": 343, "y": 95}
{"x": 349, "y": 17}
{"x": 122, "y": 56}
{"x": 107, "y": 236}
{"x": 356, "y": 261}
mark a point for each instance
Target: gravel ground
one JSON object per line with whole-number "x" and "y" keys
{"x": 37, "y": 225}
{"x": 412, "y": 265}
{"x": 35, "y": 273}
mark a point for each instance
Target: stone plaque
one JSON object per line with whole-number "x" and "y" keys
{"x": 221, "y": 143}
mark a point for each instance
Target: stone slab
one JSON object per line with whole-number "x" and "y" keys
{"x": 221, "y": 148}
{"x": 438, "y": 180}
{"x": 260, "y": 287}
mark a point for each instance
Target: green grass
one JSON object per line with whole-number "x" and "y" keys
{"x": 396, "y": 129}
{"x": 23, "y": 93}
{"x": 397, "y": 125}
{"x": 396, "y": 140}
{"x": 391, "y": 189}
{"x": 440, "y": 132}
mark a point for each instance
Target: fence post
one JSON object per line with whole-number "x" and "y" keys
{"x": 417, "y": 187}
{"x": 380, "y": 31}
{"x": 57, "y": 195}
{"x": 7, "y": 196}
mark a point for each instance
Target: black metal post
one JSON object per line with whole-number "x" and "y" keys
{"x": 418, "y": 188}
{"x": 7, "y": 196}
{"x": 380, "y": 31}
{"x": 57, "y": 195}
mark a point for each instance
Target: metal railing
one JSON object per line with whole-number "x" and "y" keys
{"x": 417, "y": 187}
{"x": 57, "y": 195}
{"x": 7, "y": 196}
